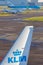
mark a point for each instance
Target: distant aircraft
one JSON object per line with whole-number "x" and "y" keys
{"x": 19, "y": 53}
{"x": 10, "y": 11}
{"x": 13, "y": 10}
{"x": 17, "y": 9}
{"x": 33, "y": 7}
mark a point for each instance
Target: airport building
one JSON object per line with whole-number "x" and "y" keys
{"x": 3, "y": 2}
{"x": 13, "y": 2}
{"x": 17, "y": 2}
{"x": 35, "y": 2}
{"x": 40, "y": 3}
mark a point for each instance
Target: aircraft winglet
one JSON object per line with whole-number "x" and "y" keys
{"x": 19, "y": 53}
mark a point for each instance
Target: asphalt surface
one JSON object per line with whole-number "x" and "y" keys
{"x": 10, "y": 28}
{"x": 20, "y": 16}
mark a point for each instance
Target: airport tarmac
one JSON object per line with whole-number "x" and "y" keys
{"x": 20, "y": 16}
{"x": 11, "y": 28}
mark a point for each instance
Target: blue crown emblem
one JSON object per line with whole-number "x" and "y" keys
{"x": 17, "y": 52}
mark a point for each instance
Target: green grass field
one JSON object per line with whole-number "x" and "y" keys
{"x": 34, "y": 19}
{"x": 30, "y": 11}
{"x": 5, "y": 14}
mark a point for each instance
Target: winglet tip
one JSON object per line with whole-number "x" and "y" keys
{"x": 29, "y": 26}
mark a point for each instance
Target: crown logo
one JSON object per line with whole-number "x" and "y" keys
{"x": 17, "y": 53}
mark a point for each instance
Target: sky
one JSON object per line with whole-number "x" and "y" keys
{"x": 38, "y": 0}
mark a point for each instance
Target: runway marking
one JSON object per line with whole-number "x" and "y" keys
{"x": 17, "y": 19}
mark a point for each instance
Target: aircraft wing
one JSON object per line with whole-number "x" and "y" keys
{"x": 19, "y": 53}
